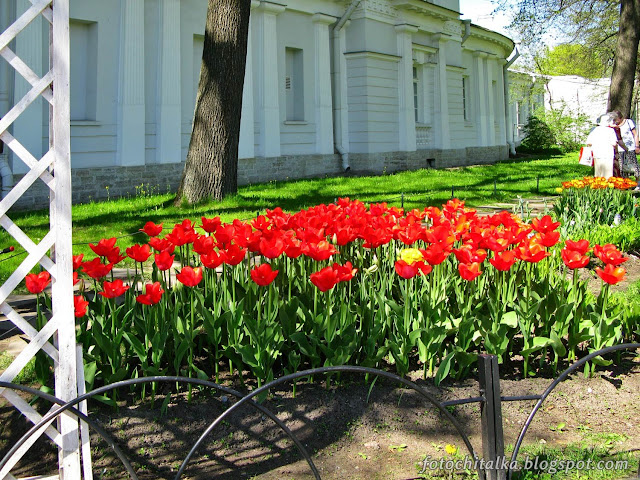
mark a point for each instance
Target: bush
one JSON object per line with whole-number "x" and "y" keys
{"x": 559, "y": 128}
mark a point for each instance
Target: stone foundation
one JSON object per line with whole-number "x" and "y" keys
{"x": 100, "y": 183}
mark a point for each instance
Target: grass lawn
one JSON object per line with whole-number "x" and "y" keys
{"x": 124, "y": 217}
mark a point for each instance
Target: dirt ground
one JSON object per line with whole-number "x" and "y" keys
{"x": 352, "y": 430}
{"x": 350, "y": 433}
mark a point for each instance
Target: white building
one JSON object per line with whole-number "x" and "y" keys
{"x": 390, "y": 85}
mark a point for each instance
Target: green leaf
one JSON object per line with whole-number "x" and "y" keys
{"x": 443, "y": 368}
{"x": 510, "y": 319}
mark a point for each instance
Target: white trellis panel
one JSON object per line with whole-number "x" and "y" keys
{"x": 54, "y": 252}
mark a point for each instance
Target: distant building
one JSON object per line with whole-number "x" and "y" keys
{"x": 393, "y": 85}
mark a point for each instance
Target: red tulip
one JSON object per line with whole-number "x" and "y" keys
{"x": 190, "y": 276}
{"x": 574, "y": 259}
{"x": 344, "y": 272}
{"x": 211, "y": 260}
{"x": 210, "y": 225}
{"x": 531, "y": 251}
{"x": 322, "y": 250}
{"x": 36, "y": 283}
{"x": 442, "y": 235}
{"x": 233, "y": 255}
{"x": 104, "y": 247}
{"x": 114, "y": 257}
{"x": 581, "y": 246}
{"x": 263, "y": 275}
{"x": 324, "y": 279}
{"x": 503, "y": 261}
{"x": 293, "y": 248}
{"x": 435, "y": 254}
{"x": 182, "y": 234}
{"x": 411, "y": 234}
{"x": 77, "y": 261}
{"x": 79, "y": 306}
{"x": 549, "y": 239}
{"x": 152, "y": 229}
{"x": 203, "y": 244}
{"x": 406, "y": 270}
{"x": 113, "y": 289}
{"x": 164, "y": 260}
{"x": 609, "y": 254}
{"x": 139, "y": 253}
{"x": 469, "y": 271}
{"x": 161, "y": 245}
{"x": 611, "y": 274}
{"x": 75, "y": 278}
{"x": 272, "y": 247}
{"x": 544, "y": 224}
{"x": 153, "y": 294}
{"x": 96, "y": 269}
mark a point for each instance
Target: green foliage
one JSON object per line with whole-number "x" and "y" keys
{"x": 560, "y": 128}
{"x": 538, "y": 136}
{"x": 596, "y": 214}
{"x": 571, "y": 59}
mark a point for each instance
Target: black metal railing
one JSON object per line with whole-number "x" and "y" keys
{"x": 490, "y": 400}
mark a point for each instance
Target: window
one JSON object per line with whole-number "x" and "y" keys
{"x": 465, "y": 98}
{"x": 84, "y": 69}
{"x": 294, "y": 84}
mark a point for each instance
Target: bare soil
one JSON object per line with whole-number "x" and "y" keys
{"x": 350, "y": 433}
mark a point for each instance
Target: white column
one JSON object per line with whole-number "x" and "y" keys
{"x": 407, "y": 119}
{"x": 490, "y": 66}
{"x": 246, "y": 148}
{"x": 168, "y": 98}
{"x": 265, "y": 43}
{"x": 322, "y": 80}
{"x": 339, "y": 77}
{"x": 501, "y": 106}
{"x": 441, "y": 127}
{"x": 29, "y": 128}
{"x": 131, "y": 108}
{"x": 482, "y": 116}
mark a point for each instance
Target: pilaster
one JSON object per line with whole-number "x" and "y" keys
{"x": 322, "y": 80}
{"x": 491, "y": 99}
{"x": 29, "y": 127}
{"x": 168, "y": 98}
{"x": 131, "y": 108}
{"x": 407, "y": 122}
{"x": 501, "y": 103}
{"x": 482, "y": 115}
{"x": 246, "y": 147}
{"x": 441, "y": 118}
{"x": 265, "y": 43}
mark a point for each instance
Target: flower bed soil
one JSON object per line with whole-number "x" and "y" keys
{"x": 348, "y": 436}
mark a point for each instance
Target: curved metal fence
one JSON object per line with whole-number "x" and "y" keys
{"x": 490, "y": 401}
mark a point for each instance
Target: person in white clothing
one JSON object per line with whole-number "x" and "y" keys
{"x": 627, "y": 160}
{"x": 603, "y": 141}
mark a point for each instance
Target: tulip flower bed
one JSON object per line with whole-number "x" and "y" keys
{"x": 344, "y": 283}
{"x": 590, "y": 201}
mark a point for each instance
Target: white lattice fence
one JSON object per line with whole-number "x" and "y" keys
{"x": 53, "y": 252}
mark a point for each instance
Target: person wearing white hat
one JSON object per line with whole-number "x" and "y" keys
{"x": 603, "y": 142}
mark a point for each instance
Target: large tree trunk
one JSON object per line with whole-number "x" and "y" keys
{"x": 211, "y": 169}
{"x": 624, "y": 67}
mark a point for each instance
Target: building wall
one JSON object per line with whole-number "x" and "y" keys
{"x": 137, "y": 70}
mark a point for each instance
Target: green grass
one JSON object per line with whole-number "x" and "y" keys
{"x": 124, "y": 217}
{"x": 27, "y": 375}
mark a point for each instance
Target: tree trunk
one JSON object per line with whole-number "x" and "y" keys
{"x": 624, "y": 67}
{"x": 211, "y": 169}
